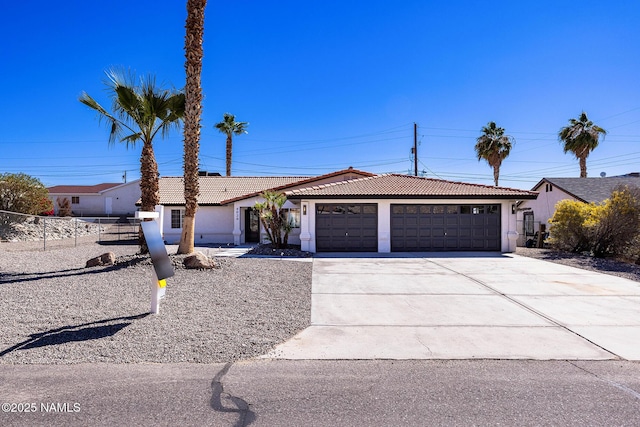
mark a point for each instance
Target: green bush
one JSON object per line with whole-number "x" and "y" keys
{"x": 568, "y": 230}
{"x": 609, "y": 228}
{"x": 22, "y": 193}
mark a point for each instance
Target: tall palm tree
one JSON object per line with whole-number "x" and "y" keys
{"x": 139, "y": 113}
{"x": 230, "y": 127}
{"x": 193, "y": 111}
{"x": 494, "y": 146}
{"x": 581, "y": 137}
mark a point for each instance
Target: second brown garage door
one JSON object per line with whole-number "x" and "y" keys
{"x": 445, "y": 228}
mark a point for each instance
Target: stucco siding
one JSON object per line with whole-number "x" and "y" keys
{"x": 214, "y": 224}
{"x": 123, "y": 199}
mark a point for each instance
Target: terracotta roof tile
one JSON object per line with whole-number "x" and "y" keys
{"x": 216, "y": 189}
{"x": 81, "y": 189}
{"x": 344, "y": 174}
{"x": 405, "y": 186}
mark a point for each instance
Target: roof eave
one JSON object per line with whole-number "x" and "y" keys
{"x": 417, "y": 197}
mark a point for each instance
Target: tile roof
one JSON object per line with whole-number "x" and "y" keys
{"x": 81, "y": 189}
{"x": 221, "y": 190}
{"x": 347, "y": 174}
{"x": 405, "y": 186}
{"x": 590, "y": 189}
{"x": 214, "y": 190}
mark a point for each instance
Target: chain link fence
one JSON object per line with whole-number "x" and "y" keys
{"x": 19, "y": 231}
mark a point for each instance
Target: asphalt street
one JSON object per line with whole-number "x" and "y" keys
{"x": 325, "y": 393}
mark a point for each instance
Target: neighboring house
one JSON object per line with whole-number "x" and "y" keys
{"x": 532, "y": 213}
{"x": 108, "y": 199}
{"x": 352, "y": 210}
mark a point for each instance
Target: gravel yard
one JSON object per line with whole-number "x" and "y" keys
{"x": 586, "y": 262}
{"x": 55, "y": 311}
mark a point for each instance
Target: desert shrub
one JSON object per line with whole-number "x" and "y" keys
{"x": 22, "y": 193}
{"x": 617, "y": 222}
{"x": 568, "y": 230}
{"x": 632, "y": 251}
{"x": 64, "y": 206}
{"x": 609, "y": 228}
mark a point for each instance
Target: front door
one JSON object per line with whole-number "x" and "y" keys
{"x": 252, "y": 226}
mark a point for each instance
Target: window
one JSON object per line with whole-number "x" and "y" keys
{"x": 528, "y": 223}
{"x": 75, "y": 200}
{"x": 176, "y": 218}
{"x": 292, "y": 216}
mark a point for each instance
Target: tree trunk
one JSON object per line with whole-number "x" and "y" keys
{"x": 229, "y": 147}
{"x": 192, "y": 115}
{"x": 149, "y": 187}
{"x": 187, "y": 236}
{"x": 496, "y": 174}
{"x": 583, "y": 166}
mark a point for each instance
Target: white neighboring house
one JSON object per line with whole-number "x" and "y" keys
{"x": 353, "y": 211}
{"x": 107, "y": 199}
{"x": 532, "y": 213}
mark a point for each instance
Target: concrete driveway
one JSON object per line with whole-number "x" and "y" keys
{"x": 465, "y": 306}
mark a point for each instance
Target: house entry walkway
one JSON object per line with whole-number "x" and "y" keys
{"x": 465, "y": 306}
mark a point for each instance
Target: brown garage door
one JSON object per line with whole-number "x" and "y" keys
{"x": 445, "y": 228}
{"x": 351, "y": 227}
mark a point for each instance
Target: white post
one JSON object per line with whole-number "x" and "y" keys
{"x": 158, "y": 252}
{"x": 157, "y": 293}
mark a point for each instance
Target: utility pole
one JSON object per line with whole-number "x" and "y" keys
{"x": 415, "y": 149}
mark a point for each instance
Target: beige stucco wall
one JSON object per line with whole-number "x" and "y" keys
{"x": 543, "y": 208}
{"x": 214, "y": 224}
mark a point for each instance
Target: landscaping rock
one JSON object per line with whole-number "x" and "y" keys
{"x": 108, "y": 258}
{"x": 198, "y": 260}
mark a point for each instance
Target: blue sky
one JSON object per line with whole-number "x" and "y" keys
{"x": 329, "y": 84}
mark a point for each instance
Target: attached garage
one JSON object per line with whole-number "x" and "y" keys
{"x": 426, "y": 227}
{"x": 400, "y": 213}
{"x": 346, "y": 227}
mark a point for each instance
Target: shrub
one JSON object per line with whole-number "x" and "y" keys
{"x": 616, "y": 222}
{"x": 609, "y": 228}
{"x": 568, "y": 231}
{"x": 273, "y": 218}
{"x": 64, "y": 206}
{"x": 22, "y": 193}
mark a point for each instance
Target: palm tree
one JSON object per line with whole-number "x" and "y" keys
{"x": 494, "y": 146}
{"x": 193, "y": 109}
{"x": 581, "y": 137}
{"x": 230, "y": 127}
{"x": 140, "y": 112}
